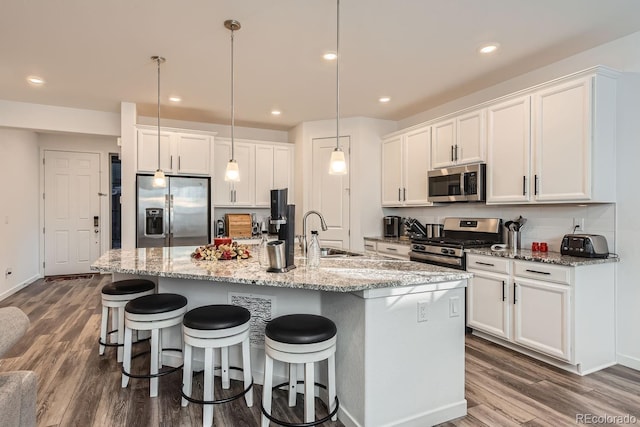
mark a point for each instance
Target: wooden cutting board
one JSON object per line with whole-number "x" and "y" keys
{"x": 238, "y": 225}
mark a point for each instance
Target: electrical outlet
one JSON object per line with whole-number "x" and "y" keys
{"x": 454, "y": 307}
{"x": 578, "y": 224}
{"x": 423, "y": 311}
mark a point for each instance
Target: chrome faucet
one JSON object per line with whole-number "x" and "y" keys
{"x": 303, "y": 238}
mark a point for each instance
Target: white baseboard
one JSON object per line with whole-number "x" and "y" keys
{"x": 19, "y": 286}
{"x": 629, "y": 361}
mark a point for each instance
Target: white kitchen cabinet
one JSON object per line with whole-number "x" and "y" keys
{"x": 181, "y": 153}
{"x": 488, "y": 305}
{"x": 263, "y": 166}
{"x": 370, "y": 247}
{"x": 393, "y": 250}
{"x": 508, "y": 153}
{"x": 405, "y": 162}
{"x": 541, "y": 312}
{"x": 459, "y": 140}
{"x": 563, "y": 315}
{"x": 555, "y": 144}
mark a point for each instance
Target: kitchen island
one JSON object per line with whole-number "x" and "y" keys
{"x": 400, "y": 349}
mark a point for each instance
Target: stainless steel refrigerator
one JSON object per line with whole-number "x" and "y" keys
{"x": 176, "y": 215}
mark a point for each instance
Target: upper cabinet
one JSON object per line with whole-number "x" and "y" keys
{"x": 405, "y": 162}
{"x": 459, "y": 140}
{"x": 181, "y": 153}
{"x": 263, "y": 166}
{"x": 554, "y": 145}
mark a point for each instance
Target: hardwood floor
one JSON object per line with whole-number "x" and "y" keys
{"x": 77, "y": 387}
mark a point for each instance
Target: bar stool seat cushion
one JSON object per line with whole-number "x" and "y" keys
{"x": 217, "y": 316}
{"x": 156, "y": 303}
{"x": 130, "y": 286}
{"x": 300, "y": 329}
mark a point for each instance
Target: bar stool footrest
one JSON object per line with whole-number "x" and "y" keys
{"x": 159, "y": 374}
{"x": 309, "y": 424}
{"x": 115, "y": 344}
{"x": 219, "y": 401}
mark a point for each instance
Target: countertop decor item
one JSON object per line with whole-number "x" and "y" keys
{"x": 233, "y": 172}
{"x": 223, "y": 252}
{"x": 158, "y": 177}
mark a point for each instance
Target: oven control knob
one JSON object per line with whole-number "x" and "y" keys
{"x": 444, "y": 251}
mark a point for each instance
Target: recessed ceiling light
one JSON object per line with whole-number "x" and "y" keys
{"x": 330, "y": 56}
{"x": 175, "y": 99}
{"x": 489, "y": 48}
{"x": 35, "y": 80}
{"x": 276, "y": 112}
{"x": 384, "y": 99}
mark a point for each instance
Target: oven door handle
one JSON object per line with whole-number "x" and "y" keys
{"x": 463, "y": 191}
{"x": 422, "y": 257}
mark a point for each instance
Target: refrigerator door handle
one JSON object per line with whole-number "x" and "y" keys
{"x": 166, "y": 220}
{"x": 171, "y": 219}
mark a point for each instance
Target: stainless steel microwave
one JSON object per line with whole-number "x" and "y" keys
{"x": 457, "y": 184}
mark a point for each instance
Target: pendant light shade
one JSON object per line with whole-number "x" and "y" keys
{"x": 337, "y": 164}
{"x": 232, "y": 173}
{"x": 158, "y": 177}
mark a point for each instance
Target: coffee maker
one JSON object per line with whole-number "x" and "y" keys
{"x": 283, "y": 218}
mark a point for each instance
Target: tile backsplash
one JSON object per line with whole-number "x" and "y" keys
{"x": 545, "y": 223}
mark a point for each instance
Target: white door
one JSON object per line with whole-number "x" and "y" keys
{"x": 471, "y": 138}
{"x": 330, "y": 194}
{"x": 443, "y": 144}
{"x": 417, "y": 158}
{"x": 488, "y": 305}
{"x": 71, "y": 205}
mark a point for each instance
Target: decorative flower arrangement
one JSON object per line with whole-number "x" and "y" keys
{"x": 213, "y": 252}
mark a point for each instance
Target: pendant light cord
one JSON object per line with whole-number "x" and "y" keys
{"x": 159, "y": 59}
{"x": 233, "y": 112}
{"x": 338, "y": 74}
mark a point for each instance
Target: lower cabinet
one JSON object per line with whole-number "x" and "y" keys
{"x": 556, "y": 313}
{"x": 391, "y": 250}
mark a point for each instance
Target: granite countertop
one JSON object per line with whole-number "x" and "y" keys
{"x": 334, "y": 274}
{"x": 545, "y": 257}
{"x": 397, "y": 240}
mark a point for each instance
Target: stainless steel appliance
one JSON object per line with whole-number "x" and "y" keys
{"x": 457, "y": 184}
{"x": 457, "y": 234}
{"x": 391, "y": 226}
{"x": 175, "y": 215}
{"x": 584, "y": 245}
{"x": 283, "y": 216}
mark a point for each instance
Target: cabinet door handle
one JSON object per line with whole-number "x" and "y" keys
{"x": 170, "y": 162}
{"x": 514, "y": 293}
{"x": 504, "y": 294}
{"x": 179, "y": 163}
{"x": 368, "y": 246}
{"x": 535, "y": 185}
{"x": 485, "y": 263}
{"x": 404, "y": 194}
{"x": 538, "y": 272}
{"x": 399, "y": 192}
{"x": 456, "y": 152}
{"x": 524, "y": 185}
{"x": 452, "y": 153}
{"x": 392, "y": 249}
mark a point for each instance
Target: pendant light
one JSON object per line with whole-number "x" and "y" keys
{"x": 232, "y": 173}
{"x": 158, "y": 178}
{"x": 338, "y": 164}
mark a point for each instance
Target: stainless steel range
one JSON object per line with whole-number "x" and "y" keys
{"x": 458, "y": 235}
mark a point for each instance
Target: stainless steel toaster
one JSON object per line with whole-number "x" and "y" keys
{"x": 585, "y": 245}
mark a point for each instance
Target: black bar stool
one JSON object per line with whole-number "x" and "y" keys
{"x": 115, "y": 295}
{"x": 300, "y": 339}
{"x": 151, "y": 313}
{"x": 210, "y": 327}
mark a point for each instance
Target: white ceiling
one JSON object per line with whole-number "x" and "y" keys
{"x": 94, "y": 54}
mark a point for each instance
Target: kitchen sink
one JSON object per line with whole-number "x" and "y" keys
{"x": 336, "y": 253}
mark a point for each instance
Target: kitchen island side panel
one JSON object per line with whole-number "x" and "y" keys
{"x": 393, "y": 370}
